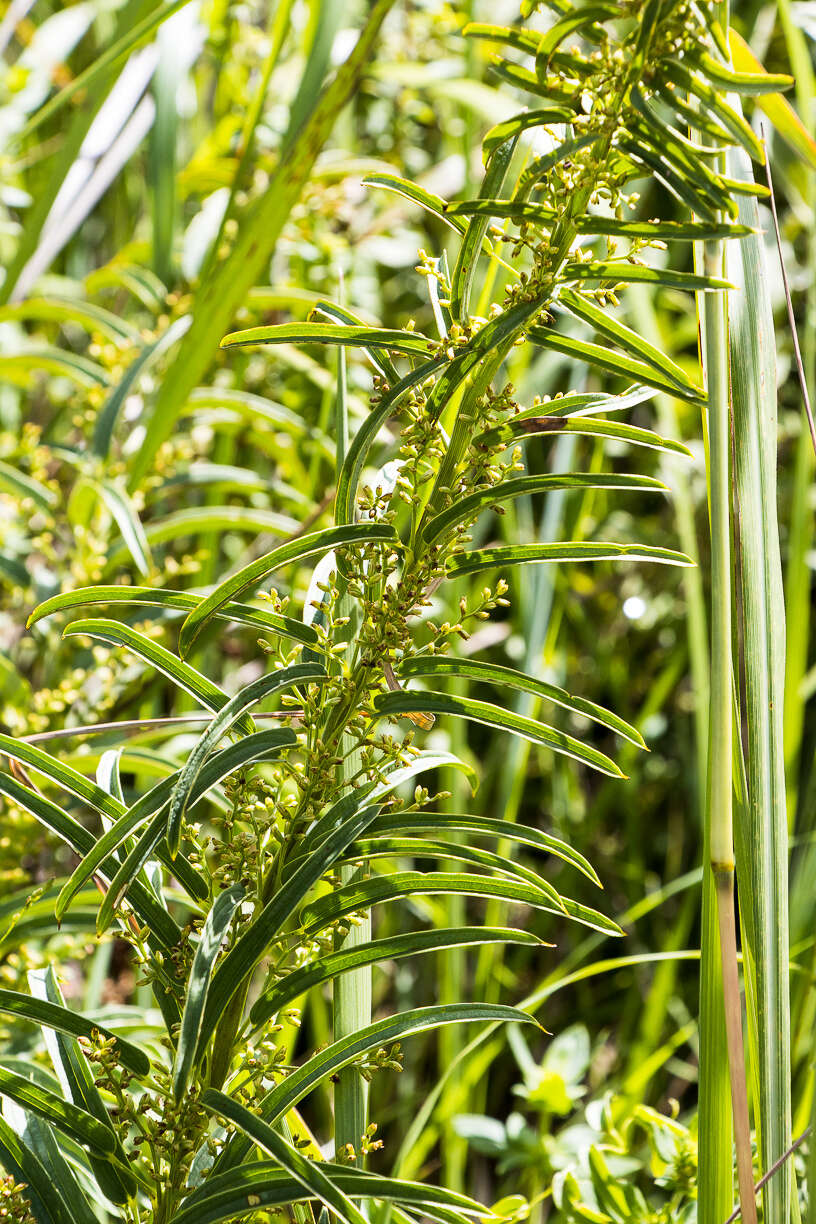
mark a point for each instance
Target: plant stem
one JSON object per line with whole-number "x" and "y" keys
{"x": 720, "y": 782}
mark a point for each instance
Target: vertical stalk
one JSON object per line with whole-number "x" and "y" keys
{"x": 352, "y": 1011}
{"x": 763, "y": 634}
{"x": 351, "y": 992}
{"x": 720, "y": 783}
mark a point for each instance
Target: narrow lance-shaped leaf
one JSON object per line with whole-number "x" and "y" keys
{"x": 432, "y": 203}
{"x": 491, "y": 673}
{"x": 128, "y": 872}
{"x": 26, "y": 1168}
{"x": 582, "y": 403}
{"x": 130, "y": 526}
{"x": 262, "y": 743}
{"x": 679, "y": 75}
{"x": 212, "y": 937}
{"x": 611, "y": 272}
{"x": 363, "y": 894}
{"x": 471, "y": 505}
{"x": 667, "y": 231}
{"x": 395, "y": 947}
{"x": 252, "y": 575}
{"x": 572, "y": 23}
{"x": 52, "y": 1015}
{"x": 164, "y": 661}
{"x": 632, "y": 344}
{"x": 534, "y": 424}
{"x": 750, "y": 83}
{"x": 264, "y": 1184}
{"x": 471, "y": 244}
{"x": 605, "y": 358}
{"x": 572, "y": 550}
{"x": 414, "y": 344}
{"x": 163, "y": 930}
{"x": 228, "y": 716}
{"x": 379, "y": 356}
{"x": 438, "y": 823}
{"x": 76, "y": 1122}
{"x": 509, "y": 129}
{"x": 405, "y": 702}
{"x": 277, "y": 1103}
{"x": 778, "y": 109}
{"x": 393, "y": 846}
{"x": 307, "y": 1172}
{"x": 41, "y": 1138}
{"x": 527, "y": 41}
{"x": 107, "y": 805}
{"x": 242, "y": 614}
{"x": 74, "y": 1073}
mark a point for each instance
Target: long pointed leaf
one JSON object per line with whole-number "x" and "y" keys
{"x": 241, "y": 614}
{"x": 524, "y": 554}
{"x": 252, "y": 575}
{"x": 212, "y": 936}
{"x": 277, "y": 1103}
{"x": 362, "y": 894}
{"x": 490, "y": 673}
{"x": 404, "y": 702}
{"x": 52, "y": 1015}
{"x": 468, "y": 507}
{"x": 396, "y": 947}
{"x": 227, "y": 717}
{"x": 76, "y": 1122}
{"x": 307, "y": 1172}
{"x": 164, "y": 661}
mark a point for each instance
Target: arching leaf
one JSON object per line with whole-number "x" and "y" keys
{"x": 418, "y": 702}
{"x": 209, "y": 945}
{"x": 251, "y": 576}
{"x": 491, "y": 673}
{"x": 229, "y": 715}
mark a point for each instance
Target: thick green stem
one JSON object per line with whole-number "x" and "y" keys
{"x": 720, "y": 779}
{"x": 720, "y": 785}
{"x": 352, "y": 1004}
{"x": 352, "y": 1011}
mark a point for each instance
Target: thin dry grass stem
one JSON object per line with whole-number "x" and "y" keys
{"x": 145, "y": 724}
{"x": 775, "y": 1167}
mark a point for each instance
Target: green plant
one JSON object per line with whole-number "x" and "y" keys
{"x": 238, "y": 907}
{"x": 593, "y": 1160}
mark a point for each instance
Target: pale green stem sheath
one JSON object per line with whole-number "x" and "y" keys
{"x": 351, "y": 992}
{"x": 720, "y": 781}
{"x": 716, "y": 1136}
{"x": 720, "y": 785}
{"x": 352, "y": 1011}
{"x": 762, "y": 626}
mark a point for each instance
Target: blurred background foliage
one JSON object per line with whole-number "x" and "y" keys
{"x": 115, "y": 211}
